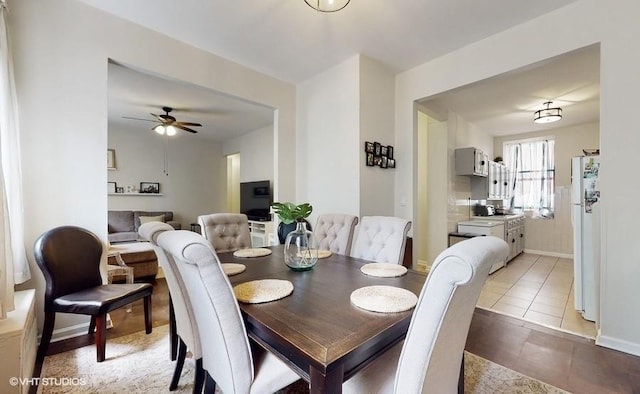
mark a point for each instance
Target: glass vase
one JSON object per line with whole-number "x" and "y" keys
{"x": 300, "y": 251}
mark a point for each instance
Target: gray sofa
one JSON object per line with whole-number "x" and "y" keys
{"x": 123, "y": 225}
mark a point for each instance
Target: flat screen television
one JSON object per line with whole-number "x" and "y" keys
{"x": 255, "y": 200}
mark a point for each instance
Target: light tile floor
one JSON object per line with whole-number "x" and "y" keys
{"x": 538, "y": 289}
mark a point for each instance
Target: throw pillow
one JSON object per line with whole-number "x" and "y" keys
{"x": 147, "y": 219}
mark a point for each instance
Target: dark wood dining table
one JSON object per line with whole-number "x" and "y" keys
{"x": 316, "y": 330}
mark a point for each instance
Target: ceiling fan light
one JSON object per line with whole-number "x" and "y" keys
{"x": 159, "y": 129}
{"x": 327, "y": 5}
{"x": 171, "y": 130}
{"x": 547, "y": 115}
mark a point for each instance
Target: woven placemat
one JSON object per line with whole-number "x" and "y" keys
{"x": 231, "y": 269}
{"x": 383, "y": 270}
{"x": 252, "y": 252}
{"x": 383, "y": 299}
{"x": 263, "y": 290}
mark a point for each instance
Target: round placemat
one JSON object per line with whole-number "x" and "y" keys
{"x": 231, "y": 269}
{"x": 252, "y": 252}
{"x": 263, "y": 290}
{"x": 384, "y": 299}
{"x": 383, "y": 270}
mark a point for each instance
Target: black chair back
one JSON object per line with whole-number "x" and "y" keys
{"x": 69, "y": 258}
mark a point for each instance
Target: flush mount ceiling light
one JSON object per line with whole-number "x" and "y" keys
{"x": 547, "y": 115}
{"x": 327, "y": 5}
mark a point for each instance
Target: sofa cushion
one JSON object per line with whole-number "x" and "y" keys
{"x": 147, "y": 219}
{"x": 125, "y": 236}
{"x": 168, "y": 216}
{"x": 120, "y": 221}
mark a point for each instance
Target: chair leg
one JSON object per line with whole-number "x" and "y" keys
{"x": 173, "y": 335}
{"x": 199, "y": 379}
{"x": 101, "y": 336}
{"x": 147, "y": 314}
{"x": 461, "y": 377}
{"x": 47, "y": 331}
{"x": 182, "y": 353}
{"x": 92, "y": 325}
{"x": 209, "y": 385}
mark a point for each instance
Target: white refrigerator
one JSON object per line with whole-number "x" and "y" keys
{"x": 585, "y": 203}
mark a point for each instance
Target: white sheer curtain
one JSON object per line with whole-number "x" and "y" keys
{"x": 533, "y": 179}
{"x": 14, "y": 267}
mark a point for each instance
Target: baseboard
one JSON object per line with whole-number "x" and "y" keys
{"x": 618, "y": 344}
{"x": 76, "y": 330}
{"x": 551, "y": 254}
{"x": 70, "y": 332}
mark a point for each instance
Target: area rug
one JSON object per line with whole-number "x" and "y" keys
{"x": 139, "y": 363}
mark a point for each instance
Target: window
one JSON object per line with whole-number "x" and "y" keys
{"x": 533, "y": 179}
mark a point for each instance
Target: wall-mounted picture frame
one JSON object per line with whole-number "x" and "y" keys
{"x": 391, "y": 163}
{"x": 370, "y": 159}
{"x": 111, "y": 159}
{"x": 383, "y": 150}
{"x": 376, "y": 148}
{"x": 390, "y": 152}
{"x": 368, "y": 147}
{"x": 111, "y": 187}
{"x": 150, "y": 187}
{"x": 383, "y": 162}
{"x": 119, "y": 189}
{"x": 377, "y": 160}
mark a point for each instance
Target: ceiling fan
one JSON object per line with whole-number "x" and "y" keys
{"x": 168, "y": 124}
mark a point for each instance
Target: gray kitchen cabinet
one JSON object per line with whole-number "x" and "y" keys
{"x": 471, "y": 161}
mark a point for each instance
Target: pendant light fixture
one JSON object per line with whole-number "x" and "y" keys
{"x": 327, "y": 5}
{"x": 547, "y": 115}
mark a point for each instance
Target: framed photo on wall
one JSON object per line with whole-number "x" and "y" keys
{"x": 111, "y": 187}
{"x": 149, "y": 187}
{"x": 370, "y": 159}
{"x": 368, "y": 147}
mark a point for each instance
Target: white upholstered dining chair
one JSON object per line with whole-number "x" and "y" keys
{"x": 334, "y": 232}
{"x": 185, "y": 336}
{"x": 230, "y": 361}
{"x": 430, "y": 359}
{"x": 227, "y": 232}
{"x": 381, "y": 239}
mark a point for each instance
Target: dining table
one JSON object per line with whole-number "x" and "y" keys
{"x": 316, "y": 330}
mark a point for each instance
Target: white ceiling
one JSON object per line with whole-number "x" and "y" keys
{"x": 138, "y": 94}
{"x": 290, "y": 41}
{"x": 505, "y": 104}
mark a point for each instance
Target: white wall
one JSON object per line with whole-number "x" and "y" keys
{"x": 582, "y": 23}
{"x": 256, "y": 154}
{"x": 339, "y": 110}
{"x": 328, "y": 145}
{"x": 61, "y": 51}
{"x": 555, "y": 236}
{"x": 195, "y": 184}
{"x": 376, "y": 124}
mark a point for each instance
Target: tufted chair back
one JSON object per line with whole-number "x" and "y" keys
{"x": 227, "y": 232}
{"x": 334, "y": 232}
{"x": 381, "y": 239}
{"x": 430, "y": 358}
{"x": 185, "y": 322}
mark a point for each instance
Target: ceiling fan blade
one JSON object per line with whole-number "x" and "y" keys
{"x": 181, "y": 127}
{"x": 187, "y": 124}
{"x": 146, "y": 120}
{"x": 158, "y": 118}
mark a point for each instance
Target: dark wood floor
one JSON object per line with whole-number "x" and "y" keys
{"x": 567, "y": 361}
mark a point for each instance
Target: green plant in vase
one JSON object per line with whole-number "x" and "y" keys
{"x": 300, "y": 253}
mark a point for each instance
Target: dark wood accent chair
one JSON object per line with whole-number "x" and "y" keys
{"x": 69, "y": 258}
